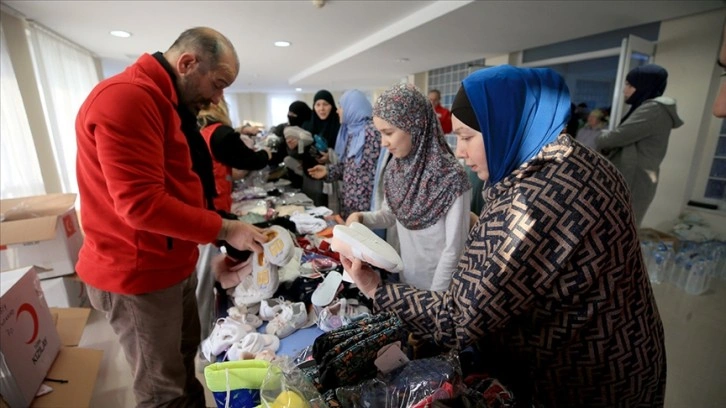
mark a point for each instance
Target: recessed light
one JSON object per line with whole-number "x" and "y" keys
{"x": 404, "y": 59}
{"x": 282, "y": 43}
{"x": 120, "y": 33}
{"x": 298, "y": 89}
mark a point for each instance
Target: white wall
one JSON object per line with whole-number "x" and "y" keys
{"x": 687, "y": 48}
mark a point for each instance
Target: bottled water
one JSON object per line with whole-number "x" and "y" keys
{"x": 699, "y": 275}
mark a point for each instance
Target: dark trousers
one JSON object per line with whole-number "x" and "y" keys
{"x": 159, "y": 333}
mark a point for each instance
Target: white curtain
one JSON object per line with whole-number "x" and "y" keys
{"x": 67, "y": 74}
{"x": 233, "y": 108}
{"x": 277, "y": 108}
{"x": 19, "y": 169}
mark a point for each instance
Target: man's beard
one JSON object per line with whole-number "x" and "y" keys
{"x": 187, "y": 88}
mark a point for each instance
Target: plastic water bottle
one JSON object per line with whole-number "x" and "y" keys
{"x": 661, "y": 259}
{"x": 699, "y": 276}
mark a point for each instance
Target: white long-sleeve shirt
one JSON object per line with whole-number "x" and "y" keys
{"x": 429, "y": 255}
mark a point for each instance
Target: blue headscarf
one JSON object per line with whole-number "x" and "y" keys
{"x": 357, "y": 113}
{"x": 519, "y": 110}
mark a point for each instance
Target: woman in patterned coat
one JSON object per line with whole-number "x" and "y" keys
{"x": 551, "y": 286}
{"x": 357, "y": 148}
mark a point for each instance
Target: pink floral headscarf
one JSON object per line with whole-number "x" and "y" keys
{"x": 422, "y": 186}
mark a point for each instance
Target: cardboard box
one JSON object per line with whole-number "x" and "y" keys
{"x": 42, "y": 231}
{"x": 79, "y": 367}
{"x": 29, "y": 342}
{"x": 65, "y": 291}
{"x": 650, "y": 234}
{"x": 76, "y": 368}
{"x": 70, "y": 323}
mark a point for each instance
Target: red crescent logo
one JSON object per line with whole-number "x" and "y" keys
{"x": 27, "y": 307}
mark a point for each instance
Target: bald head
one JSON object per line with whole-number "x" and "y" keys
{"x": 207, "y": 43}
{"x": 205, "y": 63}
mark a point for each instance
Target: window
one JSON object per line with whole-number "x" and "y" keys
{"x": 277, "y": 108}
{"x": 716, "y": 183}
{"x": 66, "y": 74}
{"x": 19, "y": 169}
{"x": 448, "y": 79}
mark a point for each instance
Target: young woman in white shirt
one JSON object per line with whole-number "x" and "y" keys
{"x": 427, "y": 192}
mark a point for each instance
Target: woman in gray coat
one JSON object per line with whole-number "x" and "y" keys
{"x": 638, "y": 145}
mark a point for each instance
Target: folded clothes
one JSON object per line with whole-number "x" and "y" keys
{"x": 319, "y": 211}
{"x": 307, "y": 224}
{"x": 287, "y": 210}
{"x": 252, "y": 218}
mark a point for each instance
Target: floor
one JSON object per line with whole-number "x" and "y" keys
{"x": 695, "y": 328}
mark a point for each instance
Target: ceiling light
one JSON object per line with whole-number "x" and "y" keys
{"x": 120, "y": 33}
{"x": 282, "y": 43}
{"x": 298, "y": 89}
{"x": 404, "y": 59}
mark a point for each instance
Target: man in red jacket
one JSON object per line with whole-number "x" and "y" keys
{"x": 144, "y": 176}
{"x": 442, "y": 113}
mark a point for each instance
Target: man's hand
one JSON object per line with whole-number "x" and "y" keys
{"x": 364, "y": 277}
{"x": 242, "y": 236}
{"x": 318, "y": 172}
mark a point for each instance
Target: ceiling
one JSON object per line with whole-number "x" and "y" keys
{"x": 344, "y": 44}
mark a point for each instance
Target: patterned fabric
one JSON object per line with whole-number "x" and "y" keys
{"x": 420, "y": 187}
{"x": 357, "y": 175}
{"x": 553, "y": 275}
{"x": 346, "y": 356}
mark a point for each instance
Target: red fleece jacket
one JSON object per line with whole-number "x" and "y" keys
{"x": 142, "y": 206}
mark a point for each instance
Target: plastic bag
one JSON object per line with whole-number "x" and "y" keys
{"x": 414, "y": 385}
{"x": 236, "y": 384}
{"x": 285, "y": 386}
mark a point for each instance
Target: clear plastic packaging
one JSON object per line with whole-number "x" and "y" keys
{"x": 414, "y": 385}
{"x": 285, "y": 386}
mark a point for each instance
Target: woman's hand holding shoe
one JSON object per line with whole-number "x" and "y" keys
{"x": 364, "y": 276}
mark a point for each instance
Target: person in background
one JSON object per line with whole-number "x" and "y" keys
{"x": 582, "y": 112}
{"x": 719, "y": 105}
{"x": 146, "y": 189}
{"x": 427, "y": 194}
{"x": 228, "y": 151}
{"x": 323, "y": 126}
{"x": 442, "y": 113}
{"x": 588, "y": 134}
{"x": 298, "y": 113}
{"x": 639, "y": 143}
{"x": 358, "y": 148}
{"x": 551, "y": 288}
{"x": 573, "y": 125}
{"x": 232, "y": 158}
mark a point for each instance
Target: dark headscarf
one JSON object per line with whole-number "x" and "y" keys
{"x": 299, "y": 113}
{"x": 649, "y": 82}
{"x": 421, "y": 187}
{"x": 328, "y": 128}
{"x": 518, "y": 111}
